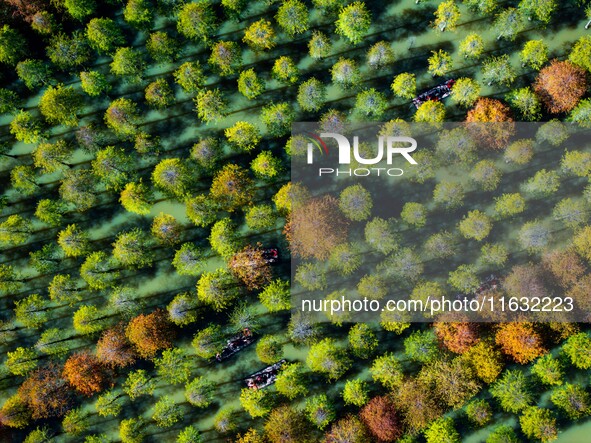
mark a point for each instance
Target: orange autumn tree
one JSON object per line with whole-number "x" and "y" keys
{"x": 458, "y": 337}
{"x": 565, "y": 266}
{"x": 381, "y": 419}
{"x": 114, "y": 349}
{"x": 46, "y": 393}
{"x": 316, "y": 227}
{"x": 491, "y": 123}
{"x": 86, "y": 374}
{"x": 520, "y": 341}
{"x": 150, "y": 333}
{"x": 560, "y": 86}
{"x": 250, "y": 267}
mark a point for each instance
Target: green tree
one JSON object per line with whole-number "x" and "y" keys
{"x": 63, "y": 289}
{"x": 94, "y": 83}
{"x": 311, "y": 95}
{"x": 104, "y": 35}
{"x": 15, "y": 413}
{"x": 24, "y": 179}
{"x": 21, "y": 361}
{"x": 446, "y": 16}
{"x": 172, "y": 176}
{"x": 353, "y": 22}
{"x": 371, "y": 103}
{"x": 494, "y": 254}
{"x": 404, "y": 85}
{"x": 260, "y": 35}
{"x": 291, "y": 381}
{"x": 201, "y": 210}
{"x": 534, "y": 236}
{"x": 250, "y": 85}
{"x": 472, "y": 46}
{"x": 217, "y": 289}
{"x": 9, "y": 101}
{"x": 356, "y": 202}
{"x": 138, "y": 13}
{"x": 173, "y": 366}
{"x": 10, "y": 281}
{"x": 26, "y": 128}
{"x": 548, "y": 370}
{"x": 414, "y": 214}
{"x": 266, "y": 166}
{"x": 109, "y": 404}
{"x": 69, "y": 51}
{"x": 285, "y": 70}
{"x": 355, "y": 392}
{"x": 534, "y": 54}
{"x": 576, "y": 163}
{"x": 207, "y": 153}
{"x": 53, "y": 341}
{"x": 319, "y": 45}
{"x": 256, "y": 402}
{"x": 486, "y": 175}
{"x": 52, "y": 157}
{"x": 519, "y": 152}
{"x": 136, "y": 198}
{"x": 211, "y": 106}
{"x": 190, "y": 434}
{"x": 88, "y": 320}
{"x": 538, "y": 9}
{"x": 526, "y": 102}
{"x": 138, "y": 383}
{"x": 128, "y": 63}
{"x": 430, "y": 112}
{"x": 362, "y": 340}
{"x": 320, "y": 411}
{"x": 476, "y": 225}
{"x": 260, "y": 217}
{"x": 132, "y": 430}
{"x": 162, "y": 47}
{"x": 73, "y": 241}
{"x": 80, "y": 9}
{"x": 122, "y": 116}
{"x": 512, "y": 391}
{"x": 465, "y": 92}
{"x": 276, "y": 296}
{"x": 581, "y": 114}
{"x": 76, "y": 422}
{"x": 243, "y": 136}
{"x": 33, "y": 73}
{"x": 479, "y": 412}
{"x": 196, "y": 20}
{"x": 226, "y": 57}
{"x": 182, "y": 309}
{"x": 379, "y": 55}
{"x": 581, "y": 53}
{"x": 292, "y": 17}
{"x": 572, "y": 400}
{"x": 421, "y": 346}
{"x": 113, "y": 167}
{"x": 199, "y": 392}
{"x": 498, "y": 70}
{"x": 539, "y": 423}
{"x": 43, "y": 22}
{"x": 166, "y": 229}
{"x": 130, "y": 249}
{"x": 15, "y": 230}
{"x": 13, "y": 46}
{"x": 440, "y": 63}
{"x": 464, "y": 279}
{"x": 345, "y": 73}
{"x": 31, "y": 311}
{"x": 578, "y": 349}
{"x": 327, "y": 358}
{"x": 98, "y": 271}
{"x": 449, "y": 195}
{"x": 189, "y": 76}
{"x": 159, "y": 94}
{"x": 442, "y": 430}
{"x": 278, "y": 117}
{"x": 208, "y": 341}
{"x": 572, "y": 213}
{"x": 508, "y": 24}
{"x": 188, "y": 260}
{"x": 387, "y": 371}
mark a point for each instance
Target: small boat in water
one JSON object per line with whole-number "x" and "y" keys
{"x": 235, "y": 345}
{"x": 436, "y": 93}
{"x": 265, "y": 377}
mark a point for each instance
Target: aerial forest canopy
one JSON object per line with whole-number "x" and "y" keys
{"x": 148, "y": 220}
